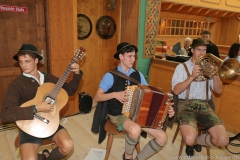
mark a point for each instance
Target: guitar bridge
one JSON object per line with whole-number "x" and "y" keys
{"x": 41, "y": 118}
{"x": 52, "y": 101}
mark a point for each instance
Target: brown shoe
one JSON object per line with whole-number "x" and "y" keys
{"x": 125, "y": 158}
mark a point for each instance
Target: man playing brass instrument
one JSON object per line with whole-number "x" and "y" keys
{"x": 112, "y": 89}
{"x": 193, "y": 106}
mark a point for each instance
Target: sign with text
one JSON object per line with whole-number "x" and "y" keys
{"x": 7, "y": 8}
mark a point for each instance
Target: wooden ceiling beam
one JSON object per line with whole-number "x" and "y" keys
{"x": 186, "y": 9}
{"x": 228, "y": 14}
{"x": 204, "y": 12}
{"x": 165, "y": 6}
{"x": 231, "y": 14}
{"x": 221, "y": 13}
{"x": 212, "y": 13}
{"x": 191, "y": 10}
{"x": 195, "y": 10}
{"x": 176, "y": 8}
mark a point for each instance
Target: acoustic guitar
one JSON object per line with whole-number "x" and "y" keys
{"x": 46, "y": 124}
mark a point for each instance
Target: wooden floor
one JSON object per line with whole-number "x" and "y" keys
{"x": 79, "y": 128}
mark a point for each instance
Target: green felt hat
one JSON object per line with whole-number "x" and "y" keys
{"x": 120, "y": 48}
{"x": 28, "y": 48}
{"x": 198, "y": 42}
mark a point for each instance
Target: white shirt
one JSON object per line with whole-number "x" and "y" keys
{"x": 197, "y": 89}
{"x": 41, "y": 77}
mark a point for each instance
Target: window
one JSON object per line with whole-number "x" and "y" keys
{"x": 169, "y": 26}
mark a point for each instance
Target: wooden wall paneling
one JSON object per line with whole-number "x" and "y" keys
{"x": 15, "y": 26}
{"x": 16, "y": 29}
{"x": 229, "y": 31}
{"x": 162, "y": 79}
{"x": 20, "y": 28}
{"x": 62, "y": 43}
{"x": 215, "y": 30}
{"x": 232, "y": 31}
{"x": 223, "y": 31}
{"x": 223, "y": 49}
{"x": 230, "y": 106}
{"x": 99, "y": 54}
{"x": 41, "y": 34}
{"x": 129, "y": 21}
{"x": 231, "y": 35}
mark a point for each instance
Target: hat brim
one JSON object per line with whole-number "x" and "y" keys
{"x": 15, "y": 57}
{"x": 116, "y": 55}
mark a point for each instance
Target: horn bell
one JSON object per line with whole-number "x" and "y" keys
{"x": 211, "y": 65}
{"x": 229, "y": 68}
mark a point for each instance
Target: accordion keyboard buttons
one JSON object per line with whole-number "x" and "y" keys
{"x": 127, "y": 105}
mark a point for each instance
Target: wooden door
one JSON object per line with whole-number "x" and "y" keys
{"x": 21, "y": 22}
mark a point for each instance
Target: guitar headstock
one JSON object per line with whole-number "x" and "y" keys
{"x": 79, "y": 54}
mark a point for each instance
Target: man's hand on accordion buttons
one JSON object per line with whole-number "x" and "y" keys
{"x": 121, "y": 96}
{"x": 170, "y": 111}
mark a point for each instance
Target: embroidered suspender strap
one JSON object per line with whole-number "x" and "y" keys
{"x": 185, "y": 66}
{"x": 188, "y": 88}
{"x": 207, "y": 90}
{"x": 114, "y": 71}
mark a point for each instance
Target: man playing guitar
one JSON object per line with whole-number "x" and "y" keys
{"x": 23, "y": 89}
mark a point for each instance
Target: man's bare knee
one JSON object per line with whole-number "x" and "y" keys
{"x": 66, "y": 146}
{"x": 134, "y": 131}
{"x": 221, "y": 141}
{"x": 189, "y": 140}
{"x": 161, "y": 138}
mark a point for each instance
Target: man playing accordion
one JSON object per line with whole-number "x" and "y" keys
{"x": 112, "y": 89}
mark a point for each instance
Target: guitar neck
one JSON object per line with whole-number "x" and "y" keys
{"x": 53, "y": 94}
{"x": 78, "y": 55}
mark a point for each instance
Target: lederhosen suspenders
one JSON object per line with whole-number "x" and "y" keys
{"x": 188, "y": 88}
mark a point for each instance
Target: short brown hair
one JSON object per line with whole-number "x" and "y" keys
{"x": 206, "y": 32}
{"x": 26, "y": 53}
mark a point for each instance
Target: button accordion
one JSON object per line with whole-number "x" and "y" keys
{"x": 147, "y": 105}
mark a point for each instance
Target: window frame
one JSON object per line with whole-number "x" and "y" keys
{"x": 183, "y": 27}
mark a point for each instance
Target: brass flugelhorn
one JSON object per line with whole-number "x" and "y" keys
{"x": 211, "y": 65}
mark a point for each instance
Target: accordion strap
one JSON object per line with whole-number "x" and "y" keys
{"x": 115, "y": 71}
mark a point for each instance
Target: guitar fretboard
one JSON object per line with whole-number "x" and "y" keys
{"x": 53, "y": 94}
{"x": 56, "y": 89}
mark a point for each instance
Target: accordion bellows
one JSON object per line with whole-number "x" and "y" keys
{"x": 147, "y": 105}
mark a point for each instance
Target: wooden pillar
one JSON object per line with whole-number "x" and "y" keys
{"x": 62, "y": 42}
